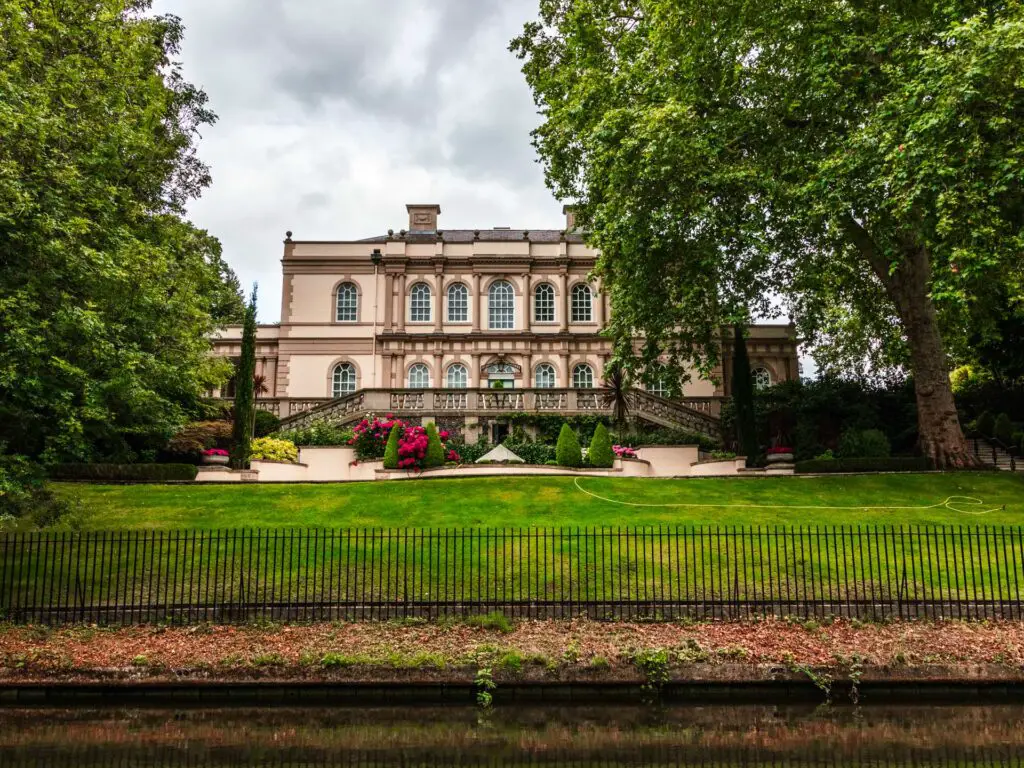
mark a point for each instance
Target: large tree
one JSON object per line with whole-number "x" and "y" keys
{"x": 864, "y": 160}
{"x": 108, "y": 296}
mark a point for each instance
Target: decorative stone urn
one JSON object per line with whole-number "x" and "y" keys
{"x": 216, "y": 460}
{"x": 780, "y": 458}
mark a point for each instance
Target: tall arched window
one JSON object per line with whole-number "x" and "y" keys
{"x": 458, "y": 376}
{"x": 544, "y": 303}
{"x": 347, "y": 307}
{"x": 419, "y": 304}
{"x": 419, "y": 376}
{"x": 544, "y": 376}
{"x": 458, "y": 303}
{"x": 582, "y": 303}
{"x": 501, "y": 306}
{"x": 583, "y": 376}
{"x": 762, "y": 378}
{"x": 343, "y": 379}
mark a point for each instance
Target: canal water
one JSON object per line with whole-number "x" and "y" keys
{"x": 516, "y": 736}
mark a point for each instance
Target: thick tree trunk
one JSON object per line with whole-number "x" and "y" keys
{"x": 939, "y": 433}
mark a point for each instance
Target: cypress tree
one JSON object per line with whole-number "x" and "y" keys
{"x": 391, "y": 449}
{"x": 743, "y": 397}
{"x": 245, "y": 406}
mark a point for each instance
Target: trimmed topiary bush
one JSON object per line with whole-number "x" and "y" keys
{"x": 567, "y": 452}
{"x": 391, "y": 448}
{"x": 1003, "y": 431}
{"x": 124, "y": 473}
{"x": 864, "y": 444}
{"x": 986, "y": 424}
{"x": 600, "y": 453}
{"x": 435, "y": 450}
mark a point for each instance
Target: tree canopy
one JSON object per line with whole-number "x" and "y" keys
{"x": 108, "y": 295}
{"x": 864, "y": 161}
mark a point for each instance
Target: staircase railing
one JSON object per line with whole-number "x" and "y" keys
{"x": 994, "y": 445}
{"x": 672, "y": 414}
{"x": 484, "y": 402}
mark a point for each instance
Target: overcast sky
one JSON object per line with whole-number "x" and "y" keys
{"x": 336, "y": 113}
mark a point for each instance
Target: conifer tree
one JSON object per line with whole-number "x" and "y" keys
{"x": 244, "y": 390}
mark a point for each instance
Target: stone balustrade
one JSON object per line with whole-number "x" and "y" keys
{"x": 694, "y": 414}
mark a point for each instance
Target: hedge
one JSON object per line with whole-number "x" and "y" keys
{"x": 124, "y": 473}
{"x": 889, "y": 464}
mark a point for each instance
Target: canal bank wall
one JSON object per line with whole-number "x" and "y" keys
{"x": 356, "y": 686}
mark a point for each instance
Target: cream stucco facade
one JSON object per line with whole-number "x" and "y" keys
{"x": 428, "y": 308}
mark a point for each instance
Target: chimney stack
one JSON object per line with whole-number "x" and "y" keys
{"x": 423, "y": 216}
{"x": 570, "y": 217}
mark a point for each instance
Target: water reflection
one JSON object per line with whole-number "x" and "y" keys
{"x": 609, "y": 736}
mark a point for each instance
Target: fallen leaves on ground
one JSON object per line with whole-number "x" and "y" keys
{"x": 555, "y": 643}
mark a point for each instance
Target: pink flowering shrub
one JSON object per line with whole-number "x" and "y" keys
{"x": 215, "y": 452}
{"x": 370, "y": 438}
{"x": 624, "y": 451}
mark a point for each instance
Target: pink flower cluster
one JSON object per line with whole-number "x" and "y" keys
{"x": 412, "y": 448}
{"x": 623, "y": 451}
{"x": 215, "y": 452}
{"x": 376, "y": 430}
{"x": 780, "y": 449}
{"x": 370, "y": 440}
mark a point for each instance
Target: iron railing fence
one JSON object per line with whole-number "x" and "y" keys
{"x": 870, "y": 572}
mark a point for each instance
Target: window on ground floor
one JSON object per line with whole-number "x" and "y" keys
{"x": 544, "y": 376}
{"x": 458, "y": 376}
{"x": 343, "y": 380}
{"x": 419, "y": 376}
{"x": 583, "y": 376}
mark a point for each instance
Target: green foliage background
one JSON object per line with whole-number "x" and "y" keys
{"x": 108, "y": 296}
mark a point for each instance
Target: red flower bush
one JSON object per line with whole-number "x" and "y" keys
{"x": 370, "y": 438}
{"x": 215, "y": 452}
{"x": 780, "y": 449}
{"x": 624, "y": 451}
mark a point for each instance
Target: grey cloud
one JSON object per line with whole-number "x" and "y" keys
{"x": 335, "y": 113}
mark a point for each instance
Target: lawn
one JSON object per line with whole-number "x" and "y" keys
{"x": 554, "y": 501}
{"x": 144, "y": 561}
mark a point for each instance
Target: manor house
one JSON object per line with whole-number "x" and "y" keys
{"x": 461, "y": 324}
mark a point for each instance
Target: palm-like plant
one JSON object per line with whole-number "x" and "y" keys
{"x": 618, "y": 386}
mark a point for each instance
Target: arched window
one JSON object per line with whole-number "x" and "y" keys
{"x": 544, "y": 303}
{"x": 762, "y": 378}
{"x": 343, "y": 379}
{"x": 583, "y": 376}
{"x": 458, "y": 303}
{"x": 501, "y": 306}
{"x": 419, "y": 304}
{"x": 458, "y": 377}
{"x": 419, "y": 376}
{"x": 348, "y": 304}
{"x": 544, "y": 376}
{"x": 582, "y": 303}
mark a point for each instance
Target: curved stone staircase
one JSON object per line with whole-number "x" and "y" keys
{"x": 493, "y": 403}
